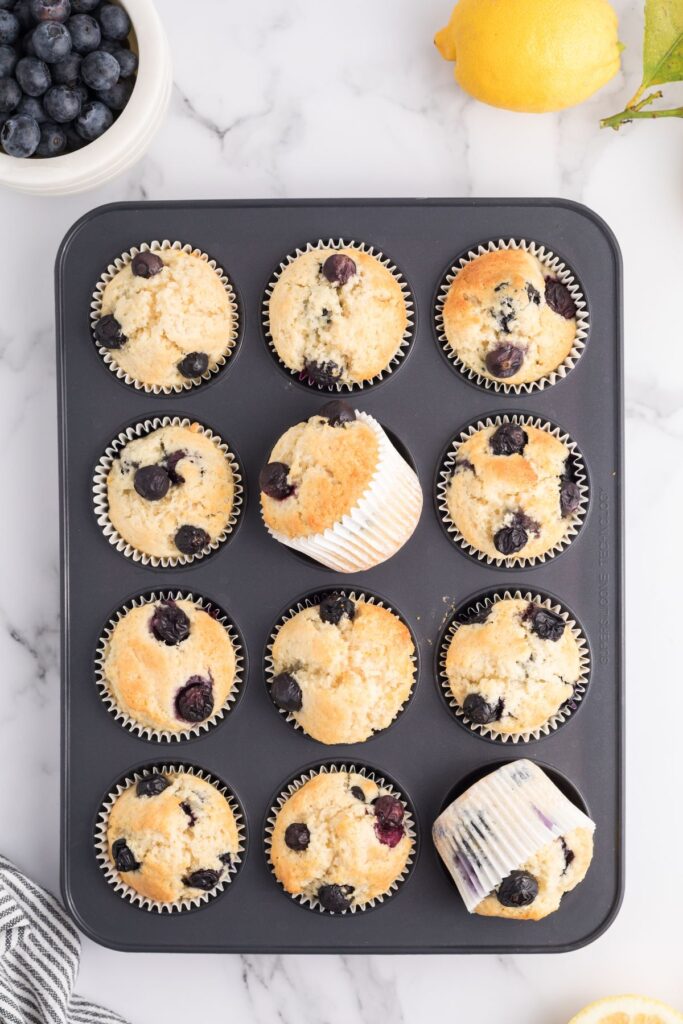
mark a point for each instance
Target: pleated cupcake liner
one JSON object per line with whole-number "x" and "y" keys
{"x": 556, "y": 268}
{"x": 108, "y": 866}
{"x": 566, "y": 710}
{"x": 146, "y": 732}
{"x": 574, "y": 522}
{"x": 109, "y": 355}
{"x": 101, "y": 497}
{"x": 408, "y": 298}
{"x": 311, "y": 601}
{"x": 410, "y": 828}
{"x": 380, "y": 523}
{"x": 498, "y": 824}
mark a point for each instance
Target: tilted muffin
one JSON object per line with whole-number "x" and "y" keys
{"x": 172, "y": 836}
{"x": 509, "y": 318}
{"x": 337, "y": 316}
{"x": 343, "y": 668}
{"x": 512, "y": 493}
{"x": 336, "y": 489}
{"x": 169, "y": 666}
{"x": 513, "y": 666}
{"x": 166, "y": 317}
{"x": 514, "y": 844}
{"x": 171, "y": 492}
{"x": 340, "y": 841}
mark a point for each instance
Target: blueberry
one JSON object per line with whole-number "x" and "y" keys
{"x": 83, "y": 6}
{"x": 100, "y": 70}
{"x": 194, "y": 702}
{"x": 325, "y": 374}
{"x": 504, "y": 360}
{"x": 358, "y": 793}
{"x": 127, "y": 60}
{"x": 273, "y": 481}
{"x": 82, "y": 91}
{"x": 52, "y": 139}
{"x": 337, "y": 413}
{"x": 389, "y": 810}
{"x": 190, "y": 540}
{"x": 114, "y": 21}
{"x": 519, "y": 889}
{"x": 169, "y": 623}
{"x": 570, "y": 497}
{"x": 478, "y": 710}
{"x": 23, "y": 14}
{"x": 152, "y": 482}
{"x": 108, "y": 332}
{"x": 62, "y": 103}
{"x": 20, "y": 136}
{"x": 33, "y": 75}
{"x": 67, "y": 71}
{"x": 389, "y": 835}
{"x": 335, "y": 898}
{"x": 194, "y": 364}
{"x": 544, "y": 624}
{"x": 286, "y": 692}
{"x": 509, "y": 439}
{"x": 152, "y": 785}
{"x": 123, "y": 856}
{"x": 32, "y": 107}
{"x": 334, "y": 607}
{"x": 205, "y": 879}
{"x": 49, "y": 10}
{"x": 10, "y": 95}
{"x": 85, "y": 33}
{"x": 146, "y": 264}
{"x": 9, "y": 27}
{"x": 27, "y": 44}
{"x": 51, "y": 41}
{"x": 73, "y": 143}
{"x": 559, "y": 298}
{"x": 117, "y": 97}
{"x": 510, "y": 539}
{"x": 93, "y": 120}
{"x": 8, "y": 60}
{"x": 338, "y": 268}
{"x": 297, "y": 836}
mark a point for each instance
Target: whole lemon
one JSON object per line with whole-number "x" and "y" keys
{"x": 531, "y": 55}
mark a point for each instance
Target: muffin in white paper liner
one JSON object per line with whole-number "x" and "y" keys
{"x": 310, "y": 601}
{"x": 555, "y": 268}
{"x": 498, "y": 824}
{"x": 146, "y": 732}
{"x": 579, "y": 476}
{"x": 380, "y": 523}
{"x": 408, "y": 334}
{"x": 564, "y": 713}
{"x": 109, "y": 355}
{"x": 101, "y": 499}
{"x": 109, "y": 868}
{"x": 409, "y": 825}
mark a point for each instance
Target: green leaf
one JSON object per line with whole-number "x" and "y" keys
{"x": 663, "y": 45}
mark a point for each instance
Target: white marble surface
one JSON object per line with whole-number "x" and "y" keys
{"x": 292, "y": 98}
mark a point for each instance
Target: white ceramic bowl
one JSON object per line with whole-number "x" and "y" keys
{"x": 124, "y": 143}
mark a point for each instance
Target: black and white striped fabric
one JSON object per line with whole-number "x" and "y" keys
{"x": 39, "y": 955}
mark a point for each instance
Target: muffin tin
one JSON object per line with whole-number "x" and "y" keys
{"x": 424, "y": 404}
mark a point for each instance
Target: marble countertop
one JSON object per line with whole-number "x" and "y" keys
{"x": 287, "y": 98}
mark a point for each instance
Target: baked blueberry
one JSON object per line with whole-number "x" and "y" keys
{"x": 358, "y": 793}
{"x": 325, "y": 374}
{"x": 205, "y": 879}
{"x": 519, "y": 889}
{"x": 194, "y": 702}
{"x": 49, "y": 10}
{"x": 146, "y": 264}
{"x": 123, "y": 856}
{"x": 533, "y": 293}
{"x": 335, "y": 898}
{"x": 51, "y": 41}
{"x": 545, "y": 624}
{"x": 559, "y": 298}
{"x": 478, "y": 709}
{"x": 464, "y": 464}
{"x": 62, "y": 103}
{"x": 152, "y": 785}
{"x": 297, "y": 836}
{"x": 286, "y": 692}
{"x": 187, "y": 810}
{"x": 504, "y": 360}
{"x": 334, "y": 607}
{"x": 194, "y": 364}
{"x": 93, "y": 120}
{"x": 151, "y": 482}
{"x": 114, "y": 21}
{"x": 389, "y": 810}
{"x": 20, "y": 136}
{"x": 108, "y": 332}
{"x": 10, "y": 95}
{"x": 8, "y": 60}
{"x": 510, "y": 539}
{"x": 100, "y": 70}
{"x": 33, "y": 75}
{"x": 52, "y": 139}
{"x": 169, "y": 623}
{"x": 570, "y": 497}
{"x": 569, "y": 855}
{"x": 509, "y": 439}
{"x": 85, "y": 33}
{"x": 67, "y": 71}
{"x": 190, "y": 540}
{"x": 337, "y": 413}
{"x": 338, "y": 268}
{"x": 226, "y": 858}
{"x": 273, "y": 481}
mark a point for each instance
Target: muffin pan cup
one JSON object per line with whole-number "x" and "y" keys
{"x": 426, "y": 753}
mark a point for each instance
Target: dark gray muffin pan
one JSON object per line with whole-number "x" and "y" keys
{"x": 424, "y": 403}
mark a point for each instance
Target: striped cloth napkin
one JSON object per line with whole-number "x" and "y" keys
{"x": 39, "y": 954}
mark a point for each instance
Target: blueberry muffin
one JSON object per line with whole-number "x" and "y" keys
{"x": 166, "y": 318}
{"x": 509, "y": 318}
{"x": 337, "y": 316}
{"x": 171, "y": 492}
{"x": 172, "y": 837}
{"x": 343, "y": 669}
{"x": 336, "y": 489}
{"x": 169, "y": 666}
{"x": 513, "y": 666}
{"x": 340, "y": 841}
{"x": 512, "y": 493}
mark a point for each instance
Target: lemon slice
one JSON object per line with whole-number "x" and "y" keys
{"x": 628, "y": 1010}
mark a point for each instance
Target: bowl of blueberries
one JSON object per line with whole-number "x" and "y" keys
{"x": 84, "y": 84}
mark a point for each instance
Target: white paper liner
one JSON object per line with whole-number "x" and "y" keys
{"x": 498, "y": 824}
{"x": 408, "y": 334}
{"x": 380, "y": 523}
{"x": 574, "y": 522}
{"x": 564, "y": 713}
{"x": 109, "y": 868}
{"x": 311, "y": 601}
{"x": 146, "y": 732}
{"x": 556, "y": 268}
{"x": 101, "y": 498}
{"x": 310, "y": 902}
{"x": 109, "y": 355}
